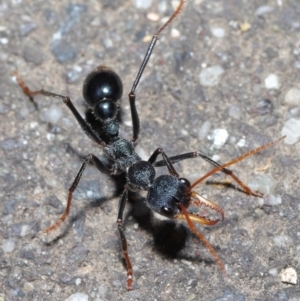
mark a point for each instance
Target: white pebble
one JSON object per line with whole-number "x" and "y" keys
{"x": 175, "y": 33}
{"x": 25, "y": 230}
{"x": 78, "y": 297}
{"x": 272, "y": 200}
{"x": 272, "y": 82}
{"x": 51, "y": 114}
{"x": 219, "y": 137}
{"x": 292, "y": 97}
{"x": 241, "y": 142}
{"x": 283, "y": 241}
{"x": 218, "y": 32}
{"x": 211, "y": 76}
{"x": 273, "y": 272}
{"x": 9, "y": 245}
{"x": 153, "y": 17}
{"x": 78, "y": 281}
{"x": 108, "y": 43}
{"x": 264, "y": 9}
{"x": 142, "y": 4}
{"x": 262, "y": 183}
{"x": 289, "y": 276}
{"x": 291, "y": 129}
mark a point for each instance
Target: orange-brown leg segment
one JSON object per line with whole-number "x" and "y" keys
{"x": 100, "y": 166}
{"x": 26, "y": 89}
{"x": 234, "y": 161}
{"x": 122, "y": 205}
{"x": 188, "y": 217}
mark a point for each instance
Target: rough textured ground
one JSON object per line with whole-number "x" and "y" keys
{"x": 37, "y": 164}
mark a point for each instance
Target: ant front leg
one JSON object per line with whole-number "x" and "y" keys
{"x": 100, "y": 166}
{"x": 122, "y": 205}
{"x": 67, "y": 101}
{"x": 228, "y": 172}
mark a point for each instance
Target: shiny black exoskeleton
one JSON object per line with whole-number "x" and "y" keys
{"x": 167, "y": 194}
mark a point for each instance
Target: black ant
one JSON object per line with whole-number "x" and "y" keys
{"x": 169, "y": 194}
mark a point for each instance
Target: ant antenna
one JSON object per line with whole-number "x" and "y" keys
{"x": 131, "y": 95}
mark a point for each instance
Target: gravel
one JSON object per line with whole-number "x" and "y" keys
{"x": 227, "y": 66}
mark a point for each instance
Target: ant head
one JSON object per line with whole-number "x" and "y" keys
{"x": 102, "y": 89}
{"x": 166, "y": 193}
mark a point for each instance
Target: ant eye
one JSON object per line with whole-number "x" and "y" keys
{"x": 185, "y": 182}
{"x": 168, "y": 212}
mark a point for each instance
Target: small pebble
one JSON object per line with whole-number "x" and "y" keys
{"x": 74, "y": 74}
{"x": 264, "y": 9}
{"x": 8, "y": 246}
{"x": 291, "y": 129}
{"x": 292, "y": 97}
{"x": 219, "y": 137}
{"x": 211, "y": 76}
{"x": 273, "y": 272}
{"x": 245, "y": 26}
{"x": 272, "y": 200}
{"x": 28, "y": 287}
{"x": 218, "y": 32}
{"x": 25, "y": 230}
{"x": 78, "y": 281}
{"x": 262, "y": 183}
{"x": 272, "y": 82}
{"x": 142, "y": 4}
{"x": 78, "y": 297}
{"x": 241, "y": 142}
{"x": 175, "y": 33}
{"x": 289, "y": 276}
{"x": 51, "y": 114}
{"x": 153, "y": 17}
{"x": 283, "y": 241}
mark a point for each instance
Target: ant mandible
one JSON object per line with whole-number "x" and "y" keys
{"x": 169, "y": 194}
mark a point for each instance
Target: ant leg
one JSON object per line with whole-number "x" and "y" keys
{"x": 67, "y": 101}
{"x": 234, "y": 161}
{"x": 122, "y": 205}
{"x": 166, "y": 161}
{"x": 100, "y": 166}
{"x": 131, "y": 95}
{"x": 228, "y": 172}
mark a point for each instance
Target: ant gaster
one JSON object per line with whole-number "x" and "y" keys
{"x": 169, "y": 194}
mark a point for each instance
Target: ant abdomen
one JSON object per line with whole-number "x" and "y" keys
{"x": 102, "y": 89}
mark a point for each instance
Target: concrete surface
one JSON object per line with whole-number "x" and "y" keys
{"x": 54, "y": 44}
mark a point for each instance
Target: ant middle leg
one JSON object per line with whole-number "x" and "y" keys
{"x": 100, "y": 166}
{"x": 166, "y": 161}
{"x": 124, "y": 244}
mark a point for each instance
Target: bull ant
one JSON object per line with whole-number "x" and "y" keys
{"x": 169, "y": 195}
